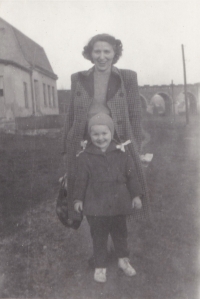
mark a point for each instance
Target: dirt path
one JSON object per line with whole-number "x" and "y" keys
{"x": 41, "y": 259}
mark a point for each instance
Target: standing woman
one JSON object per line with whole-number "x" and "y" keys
{"x": 104, "y": 88}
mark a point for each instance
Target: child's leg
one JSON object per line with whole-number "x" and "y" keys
{"x": 119, "y": 235}
{"x": 118, "y": 231}
{"x": 99, "y": 229}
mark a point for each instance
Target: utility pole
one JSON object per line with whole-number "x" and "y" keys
{"x": 173, "y": 104}
{"x": 185, "y": 87}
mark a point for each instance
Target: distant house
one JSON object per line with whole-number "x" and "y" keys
{"x": 27, "y": 81}
{"x": 63, "y": 100}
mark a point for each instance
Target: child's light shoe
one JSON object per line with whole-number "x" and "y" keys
{"x": 124, "y": 264}
{"x": 100, "y": 274}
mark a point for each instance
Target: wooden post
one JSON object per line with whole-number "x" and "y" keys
{"x": 173, "y": 103}
{"x": 185, "y": 87}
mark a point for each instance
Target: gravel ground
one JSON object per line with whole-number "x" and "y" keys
{"x": 40, "y": 258}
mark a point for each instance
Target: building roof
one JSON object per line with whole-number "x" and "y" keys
{"x": 32, "y": 52}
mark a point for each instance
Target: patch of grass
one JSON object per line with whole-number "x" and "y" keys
{"x": 42, "y": 259}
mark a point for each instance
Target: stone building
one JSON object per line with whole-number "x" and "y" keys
{"x": 172, "y": 96}
{"x": 27, "y": 81}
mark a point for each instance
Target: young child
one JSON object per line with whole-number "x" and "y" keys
{"x": 106, "y": 190}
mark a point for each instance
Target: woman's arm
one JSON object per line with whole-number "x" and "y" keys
{"x": 81, "y": 181}
{"x": 134, "y": 107}
{"x": 133, "y": 184}
{"x": 69, "y": 118}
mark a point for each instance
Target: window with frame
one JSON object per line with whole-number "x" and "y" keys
{"x": 26, "y": 95}
{"x": 44, "y": 95}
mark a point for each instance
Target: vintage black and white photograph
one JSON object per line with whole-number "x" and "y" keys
{"x": 100, "y": 149}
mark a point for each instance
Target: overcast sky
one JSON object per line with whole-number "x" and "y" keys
{"x": 151, "y": 32}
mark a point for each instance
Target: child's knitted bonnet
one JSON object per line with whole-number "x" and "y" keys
{"x": 101, "y": 119}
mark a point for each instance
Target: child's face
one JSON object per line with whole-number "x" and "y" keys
{"x": 101, "y": 136}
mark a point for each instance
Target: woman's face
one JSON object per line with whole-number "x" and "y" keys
{"x": 102, "y": 55}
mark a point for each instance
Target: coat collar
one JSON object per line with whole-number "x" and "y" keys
{"x": 92, "y": 149}
{"x": 87, "y": 81}
{"x": 114, "y": 70}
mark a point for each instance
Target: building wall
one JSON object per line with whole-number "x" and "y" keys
{"x": 14, "y": 79}
{"x": 13, "y": 92}
{"x": 2, "y": 100}
{"x": 15, "y": 103}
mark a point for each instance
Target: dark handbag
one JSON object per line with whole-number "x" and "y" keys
{"x": 62, "y": 207}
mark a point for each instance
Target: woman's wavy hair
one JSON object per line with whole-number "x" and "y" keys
{"x": 115, "y": 43}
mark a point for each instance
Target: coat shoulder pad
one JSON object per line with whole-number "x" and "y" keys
{"x": 129, "y": 77}
{"x": 128, "y": 73}
{"x": 74, "y": 76}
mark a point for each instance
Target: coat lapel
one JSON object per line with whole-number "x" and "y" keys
{"x": 87, "y": 81}
{"x": 114, "y": 84}
{"x": 119, "y": 111}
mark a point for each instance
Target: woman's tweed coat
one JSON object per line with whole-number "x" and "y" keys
{"x": 124, "y": 103}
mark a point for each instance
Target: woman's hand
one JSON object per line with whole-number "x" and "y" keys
{"x": 78, "y": 206}
{"x": 137, "y": 203}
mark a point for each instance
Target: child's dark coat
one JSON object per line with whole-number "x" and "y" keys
{"x": 106, "y": 182}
